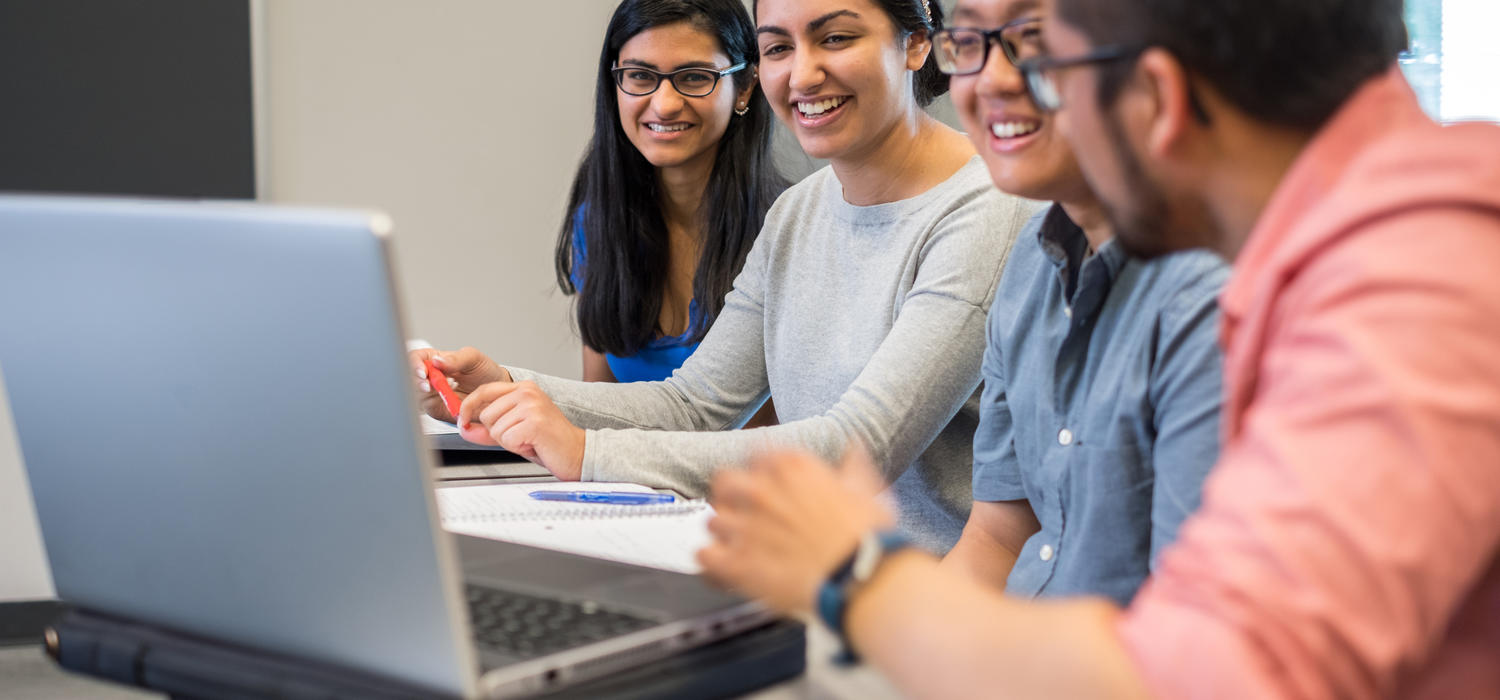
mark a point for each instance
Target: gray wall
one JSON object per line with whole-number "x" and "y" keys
{"x": 464, "y": 120}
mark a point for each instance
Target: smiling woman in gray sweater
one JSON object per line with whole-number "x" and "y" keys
{"x": 861, "y": 307}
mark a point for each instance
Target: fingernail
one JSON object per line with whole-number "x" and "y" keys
{"x": 422, "y": 372}
{"x": 453, "y": 383}
{"x": 425, "y": 385}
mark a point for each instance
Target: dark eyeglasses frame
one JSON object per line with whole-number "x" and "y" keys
{"x": 619, "y": 75}
{"x": 1042, "y": 88}
{"x": 991, "y": 38}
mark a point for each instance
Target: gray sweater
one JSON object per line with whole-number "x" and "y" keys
{"x": 863, "y": 322}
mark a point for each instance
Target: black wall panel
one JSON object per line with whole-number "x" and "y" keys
{"x": 139, "y": 97}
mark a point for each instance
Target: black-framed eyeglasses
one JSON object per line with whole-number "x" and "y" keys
{"x": 1038, "y": 72}
{"x": 965, "y": 50}
{"x": 690, "y": 82}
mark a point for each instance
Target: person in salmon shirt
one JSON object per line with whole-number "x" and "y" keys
{"x": 1347, "y": 541}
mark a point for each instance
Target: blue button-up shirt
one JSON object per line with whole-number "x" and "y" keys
{"x": 1100, "y": 406}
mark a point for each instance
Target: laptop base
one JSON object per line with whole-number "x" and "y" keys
{"x": 727, "y": 668}
{"x": 183, "y": 665}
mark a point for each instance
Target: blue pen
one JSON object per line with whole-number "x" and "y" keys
{"x": 619, "y": 498}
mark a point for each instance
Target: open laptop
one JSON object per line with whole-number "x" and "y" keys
{"x": 215, "y": 411}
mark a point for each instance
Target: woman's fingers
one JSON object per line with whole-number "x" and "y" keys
{"x": 480, "y": 399}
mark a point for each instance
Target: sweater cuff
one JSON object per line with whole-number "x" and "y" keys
{"x": 518, "y": 374}
{"x": 592, "y": 447}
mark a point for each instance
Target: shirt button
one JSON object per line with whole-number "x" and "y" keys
{"x": 1068, "y": 311}
{"x": 1046, "y": 552}
{"x": 1064, "y": 437}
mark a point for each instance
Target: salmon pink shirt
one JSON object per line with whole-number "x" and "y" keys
{"x": 1347, "y": 542}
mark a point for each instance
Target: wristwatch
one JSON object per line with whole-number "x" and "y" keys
{"x": 840, "y": 586}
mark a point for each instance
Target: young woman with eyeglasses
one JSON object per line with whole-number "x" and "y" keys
{"x": 673, "y": 189}
{"x": 861, "y": 307}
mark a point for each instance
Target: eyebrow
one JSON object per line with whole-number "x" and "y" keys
{"x": 811, "y": 26}
{"x": 966, "y": 13}
{"x": 825, "y": 19}
{"x": 680, "y": 66}
{"x": 1020, "y": 8}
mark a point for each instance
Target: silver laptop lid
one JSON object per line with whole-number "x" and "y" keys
{"x": 149, "y": 349}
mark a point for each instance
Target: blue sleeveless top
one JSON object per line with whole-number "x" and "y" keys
{"x": 661, "y": 356}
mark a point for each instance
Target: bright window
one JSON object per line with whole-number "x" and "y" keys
{"x": 1454, "y": 61}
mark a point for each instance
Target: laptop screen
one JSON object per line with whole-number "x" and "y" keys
{"x": 213, "y": 405}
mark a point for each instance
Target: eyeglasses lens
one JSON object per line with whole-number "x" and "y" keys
{"x": 960, "y": 51}
{"x": 637, "y": 81}
{"x": 1022, "y": 41}
{"x": 1043, "y": 90}
{"x": 695, "y": 83}
{"x": 964, "y": 51}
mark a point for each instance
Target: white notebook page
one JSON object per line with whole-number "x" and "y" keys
{"x": 433, "y": 426}
{"x": 664, "y": 536}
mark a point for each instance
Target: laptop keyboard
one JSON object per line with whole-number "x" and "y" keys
{"x": 527, "y": 626}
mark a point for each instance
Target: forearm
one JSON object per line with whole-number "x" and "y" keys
{"x": 718, "y": 387}
{"x": 648, "y": 405}
{"x": 596, "y": 366}
{"x": 975, "y": 642}
{"x": 895, "y": 407}
{"x": 992, "y": 541}
{"x": 684, "y": 461}
{"x": 982, "y": 558}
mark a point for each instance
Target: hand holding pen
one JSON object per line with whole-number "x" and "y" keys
{"x": 520, "y": 417}
{"x": 467, "y": 388}
{"x": 463, "y": 370}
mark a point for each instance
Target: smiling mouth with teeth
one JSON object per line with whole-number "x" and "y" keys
{"x": 820, "y": 107}
{"x": 667, "y": 128}
{"x": 1010, "y": 130}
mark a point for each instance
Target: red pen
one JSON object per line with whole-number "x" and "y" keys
{"x": 439, "y": 383}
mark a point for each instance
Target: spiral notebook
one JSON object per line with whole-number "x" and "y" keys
{"x": 664, "y": 536}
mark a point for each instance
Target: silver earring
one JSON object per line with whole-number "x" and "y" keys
{"x": 743, "y": 110}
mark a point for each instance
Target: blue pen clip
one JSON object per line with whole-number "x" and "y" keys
{"x": 618, "y": 498}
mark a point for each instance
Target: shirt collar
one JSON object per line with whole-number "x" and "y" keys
{"x": 1381, "y": 105}
{"x": 1065, "y": 245}
{"x": 1061, "y": 239}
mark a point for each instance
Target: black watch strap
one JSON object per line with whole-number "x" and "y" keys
{"x": 834, "y": 594}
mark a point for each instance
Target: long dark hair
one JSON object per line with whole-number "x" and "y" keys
{"x": 615, "y": 198}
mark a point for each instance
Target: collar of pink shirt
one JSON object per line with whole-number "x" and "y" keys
{"x": 1359, "y": 168}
